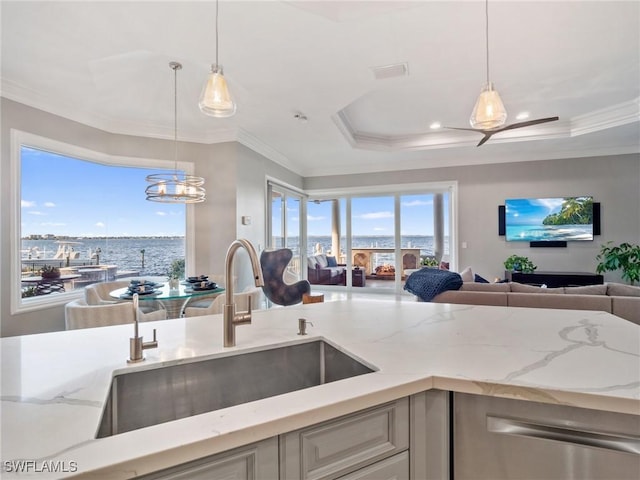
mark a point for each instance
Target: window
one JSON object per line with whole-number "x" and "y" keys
{"x": 284, "y": 228}
{"x": 382, "y": 235}
{"x": 85, "y": 215}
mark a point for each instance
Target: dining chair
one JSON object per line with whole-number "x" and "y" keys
{"x": 216, "y": 305}
{"x": 98, "y": 294}
{"x": 78, "y": 314}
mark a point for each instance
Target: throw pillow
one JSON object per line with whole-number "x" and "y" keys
{"x": 322, "y": 260}
{"x": 478, "y": 279}
{"x": 312, "y": 262}
{"x": 522, "y": 288}
{"x": 587, "y": 290}
{"x": 467, "y": 275}
{"x": 622, "y": 290}
{"x": 331, "y": 261}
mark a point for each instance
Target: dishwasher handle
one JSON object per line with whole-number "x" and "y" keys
{"x": 618, "y": 443}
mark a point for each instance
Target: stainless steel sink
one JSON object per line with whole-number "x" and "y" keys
{"x": 149, "y": 397}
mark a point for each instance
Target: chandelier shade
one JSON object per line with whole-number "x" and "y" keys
{"x": 175, "y": 187}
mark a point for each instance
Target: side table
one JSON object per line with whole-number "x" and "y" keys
{"x": 358, "y": 277}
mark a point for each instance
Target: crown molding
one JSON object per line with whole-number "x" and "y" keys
{"x": 258, "y": 146}
{"x": 610, "y": 117}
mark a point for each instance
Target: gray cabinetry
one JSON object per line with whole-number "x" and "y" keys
{"x": 497, "y": 438}
{"x": 252, "y": 462}
{"x": 394, "y": 468}
{"x": 332, "y": 449}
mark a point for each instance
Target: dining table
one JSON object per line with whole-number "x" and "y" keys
{"x": 173, "y": 299}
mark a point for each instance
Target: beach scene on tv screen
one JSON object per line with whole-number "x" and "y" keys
{"x": 549, "y": 219}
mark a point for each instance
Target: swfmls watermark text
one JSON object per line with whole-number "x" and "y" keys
{"x": 39, "y": 466}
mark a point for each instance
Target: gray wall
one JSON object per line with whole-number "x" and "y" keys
{"x": 234, "y": 176}
{"x": 613, "y": 181}
{"x": 235, "y": 182}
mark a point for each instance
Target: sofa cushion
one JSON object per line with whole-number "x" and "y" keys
{"x": 622, "y": 290}
{"x": 322, "y": 260}
{"x": 486, "y": 287}
{"x": 627, "y": 308}
{"x": 331, "y": 261}
{"x": 312, "y": 262}
{"x": 587, "y": 290}
{"x": 522, "y": 288}
{"x": 472, "y": 298}
{"x": 570, "y": 302}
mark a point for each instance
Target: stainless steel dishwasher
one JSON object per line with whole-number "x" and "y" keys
{"x": 496, "y": 438}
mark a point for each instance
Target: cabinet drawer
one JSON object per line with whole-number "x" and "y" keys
{"x": 394, "y": 468}
{"x": 331, "y": 449}
{"x": 253, "y": 462}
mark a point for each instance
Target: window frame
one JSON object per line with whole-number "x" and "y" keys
{"x": 19, "y": 139}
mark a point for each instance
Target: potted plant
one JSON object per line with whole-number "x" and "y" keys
{"x": 517, "y": 263}
{"x": 625, "y": 257}
{"x": 429, "y": 262}
{"x": 49, "y": 271}
{"x": 176, "y": 272}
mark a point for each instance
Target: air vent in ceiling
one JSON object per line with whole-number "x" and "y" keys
{"x": 390, "y": 71}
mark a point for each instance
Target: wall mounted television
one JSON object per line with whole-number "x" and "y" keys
{"x": 557, "y": 219}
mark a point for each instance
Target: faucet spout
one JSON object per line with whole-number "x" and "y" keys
{"x": 230, "y": 318}
{"x": 136, "y": 344}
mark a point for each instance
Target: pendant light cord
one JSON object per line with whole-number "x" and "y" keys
{"x": 175, "y": 67}
{"x": 486, "y": 13}
{"x": 217, "y": 64}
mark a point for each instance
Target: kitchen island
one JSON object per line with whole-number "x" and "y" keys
{"x": 55, "y": 385}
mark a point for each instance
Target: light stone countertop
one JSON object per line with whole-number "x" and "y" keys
{"x": 54, "y": 385}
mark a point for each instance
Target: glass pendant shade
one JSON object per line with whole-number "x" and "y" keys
{"x": 215, "y": 99}
{"x": 489, "y": 112}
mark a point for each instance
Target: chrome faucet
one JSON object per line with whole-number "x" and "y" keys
{"x": 136, "y": 345}
{"x": 230, "y": 317}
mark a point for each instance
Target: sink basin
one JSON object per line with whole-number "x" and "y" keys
{"x": 149, "y": 397}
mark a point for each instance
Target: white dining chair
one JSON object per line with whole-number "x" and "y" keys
{"x": 216, "y": 305}
{"x": 78, "y": 314}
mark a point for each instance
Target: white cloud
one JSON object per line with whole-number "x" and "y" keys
{"x": 161, "y": 214}
{"x": 376, "y": 215}
{"x": 49, "y": 204}
{"x": 416, "y": 203}
{"x": 379, "y": 229}
{"x": 311, "y": 218}
{"x": 99, "y": 224}
{"x": 53, "y": 224}
{"x": 27, "y": 203}
{"x": 35, "y": 212}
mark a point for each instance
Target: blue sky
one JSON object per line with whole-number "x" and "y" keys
{"x": 531, "y": 211}
{"x": 64, "y": 196}
{"x": 375, "y": 216}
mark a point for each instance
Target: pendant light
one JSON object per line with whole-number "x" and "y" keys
{"x": 175, "y": 187}
{"x": 215, "y": 99}
{"x": 489, "y": 112}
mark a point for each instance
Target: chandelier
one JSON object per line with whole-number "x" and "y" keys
{"x": 175, "y": 187}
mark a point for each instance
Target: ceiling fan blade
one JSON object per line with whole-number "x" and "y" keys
{"x": 467, "y": 129}
{"x": 487, "y": 136}
{"x": 528, "y": 123}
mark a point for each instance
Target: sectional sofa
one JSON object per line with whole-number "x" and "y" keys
{"x": 618, "y": 299}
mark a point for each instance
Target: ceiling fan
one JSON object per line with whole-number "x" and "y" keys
{"x": 489, "y": 115}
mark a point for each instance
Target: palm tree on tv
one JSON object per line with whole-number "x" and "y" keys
{"x": 574, "y": 211}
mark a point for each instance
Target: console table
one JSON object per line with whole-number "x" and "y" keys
{"x": 555, "y": 279}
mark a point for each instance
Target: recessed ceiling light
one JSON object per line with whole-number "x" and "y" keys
{"x": 435, "y": 125}
{"x": 522, "y": 116}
